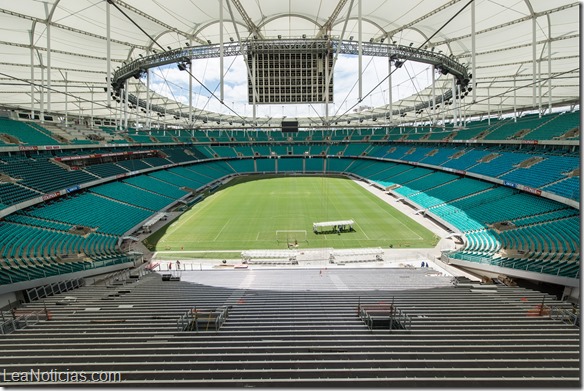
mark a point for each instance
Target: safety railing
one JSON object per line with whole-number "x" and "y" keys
{"x": 201, "y": 319}
{"x": 15, "y": 321}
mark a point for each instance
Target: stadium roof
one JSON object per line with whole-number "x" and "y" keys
{"x": 526, "y": 52}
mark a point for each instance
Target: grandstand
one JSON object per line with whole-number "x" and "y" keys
{"x": 111, "y": 138}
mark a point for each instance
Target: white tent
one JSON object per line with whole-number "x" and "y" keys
{"x": 332, "y": 225}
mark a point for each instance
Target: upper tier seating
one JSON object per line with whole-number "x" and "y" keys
{"x": 39, "y": 173}
{"x": 23, "y": 133}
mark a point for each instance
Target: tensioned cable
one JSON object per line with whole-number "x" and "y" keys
{"x": 103, "y": 105}
{"x": 349, "y": 93}
{"x": 419, "y": 47}
{"x": 218, "y": 84}
{"x": 163, "y": 77}
{"x": 164, "y": 50}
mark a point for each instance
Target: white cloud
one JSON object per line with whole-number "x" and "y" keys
{"x": 346, "y": 92}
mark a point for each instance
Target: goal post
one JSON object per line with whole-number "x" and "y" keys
{"x": 291, "y": 237}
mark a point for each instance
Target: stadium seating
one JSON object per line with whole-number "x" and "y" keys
{"x": 13, "y": 193}
{"x": 290, "y": 330}
{"x": 242, "y": 165}
{"x": 133, "y": 195}
{"x": 290, "y": 165}
{"x": 471, "y": 205}
{"x": 133, "y": 164}
{"x": 105, "y": 170}
{"x": 147, "y": 182}
{"x": 39, "y": 173}
{"x": 179, "y": 154}
{"x": 555, "y": 125}
{"x": 93, "y": 211}
{"x": 24, "y": 133}
{"x": 569, "y": 188}
{"x": 423, "y": 183}
{"x": 551, "y": 169}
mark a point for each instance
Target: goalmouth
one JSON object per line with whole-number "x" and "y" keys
{"x": 291, "y": 237}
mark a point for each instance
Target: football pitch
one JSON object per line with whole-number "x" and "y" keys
{"x": 247, "y": 215}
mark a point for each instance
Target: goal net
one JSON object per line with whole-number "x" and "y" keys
{"x": 291, "y": 237}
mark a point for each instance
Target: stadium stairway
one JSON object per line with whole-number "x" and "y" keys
{"x": 467, "y": 335}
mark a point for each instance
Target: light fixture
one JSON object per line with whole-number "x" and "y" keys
{"x": 351, "y": 38}
{"x": 209, "y": 41}
{"x": 187, "y": 44}
{"x": 231, "y": 39}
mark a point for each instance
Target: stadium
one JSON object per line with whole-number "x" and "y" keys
{"x": 254, "y": 193}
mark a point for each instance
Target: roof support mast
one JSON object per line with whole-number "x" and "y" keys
{"x": 48, "y": 57}
{"x": 389, "y": 88}
{"x": 108, "y": 54}
{"x": 434, "y": 119}
{"x": 473, "y": 48}
{"x": 534, "y": 59}
{"x": 66, "y": 101}
{"x": 126, "y": 87}
{"x": 360, "y": 24}
{"x": 148, "y": 99}
{"x": 549, "y": 66}
{"x": 221, "y": 53}
{"x": 190, "y": 91}
{"x": 31, "y": 74}
{"x": 42, "y": 90}
{"x": 254, "y": 30}
{"x": 326, "y": 30}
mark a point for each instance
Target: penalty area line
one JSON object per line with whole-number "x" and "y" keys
{"x": 222, "y": 228}
{"x": 362, "y": 230}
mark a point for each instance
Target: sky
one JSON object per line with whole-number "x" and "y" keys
{"x": 169, "y": 81}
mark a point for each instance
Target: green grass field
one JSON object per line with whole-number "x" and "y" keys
{"x": 247, "y": 214}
